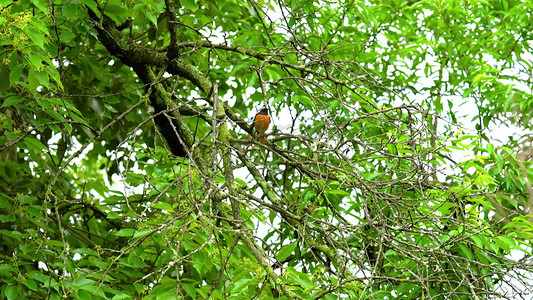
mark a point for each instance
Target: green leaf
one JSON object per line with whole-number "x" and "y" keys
{"x": 11, "y": 292}
{"x": 35, "y": 61}
{"x": 15, "y": 73}
{"x": 31, "y": 284}
{"x": 240, "y": 285}
{"x": 4, "y": 202}
{"x": 198, "y": 259}
{"x": 12, "y": 100}
{"x": 286, "y": 251}
{"x": 93, "y": 6}
{"x": 39, "y": 276}
{"x": 127, "y": 232}
{"x": 54, "y": 74}
{"x": 33, "y": 82}
{"x": 273, "y": 75}
{"x": 166, "y": 289}
{"x": 17, "y": 235}
{"x": 27, "y": 199}
{"x": 32, "y": 144}
{"x": 507, "y": 243}
{"x": 121, "y": 296}
{"x": 84, "y": 295}
{"x": 35, "y": 36}
{"x": 189, "y": 4}
{"x": 70, "y": 10}
{"x": 86, "y": 251}
{"x": 37, "y": 23}
{"x": 93, "y": 289}
{"x": 304, "y": 100}
{"x": 334, "y": 104}
{"x": 4, "y": 79}
{"x": 42, "y": 5}
{"x": 42, "y": 77}
{"x": 151, "y": 17}
{"x": 301, "y": 278}
{"x": 80, "y": 281}
{"x": 163, "y": 206}
{"x": 477, "y": 240}
{"x": 135, "y": 262}
{"x": 337, "y": 192}
{"x": 66, "y": 36}
{"x": 5, "y": 218}
{"x": 190, "y": 290}
{"x": 466, "y": 251}
{"x": 55, "y": 115}
{"x": 141, "y": 232}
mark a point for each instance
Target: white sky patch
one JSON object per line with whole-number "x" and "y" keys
{"x": 215, "y": 36}
{"x": 42, "y": 265}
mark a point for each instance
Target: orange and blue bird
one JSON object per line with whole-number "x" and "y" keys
{"x": 262, "y": 122}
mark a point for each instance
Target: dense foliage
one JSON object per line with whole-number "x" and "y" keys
{"x": 129, "y": 167}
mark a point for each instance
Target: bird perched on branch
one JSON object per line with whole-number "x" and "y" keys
{"x": 262, "y": 122}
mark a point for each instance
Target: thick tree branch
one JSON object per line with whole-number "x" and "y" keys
{"x": 138, "y": 57}
{"x": 173, "y": 29}
{"x": 175, "y": 131}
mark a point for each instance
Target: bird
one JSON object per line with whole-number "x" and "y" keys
{"x": 262, "y": 122}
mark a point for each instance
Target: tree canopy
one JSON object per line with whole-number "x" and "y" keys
{"x": 130, "y": 166}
